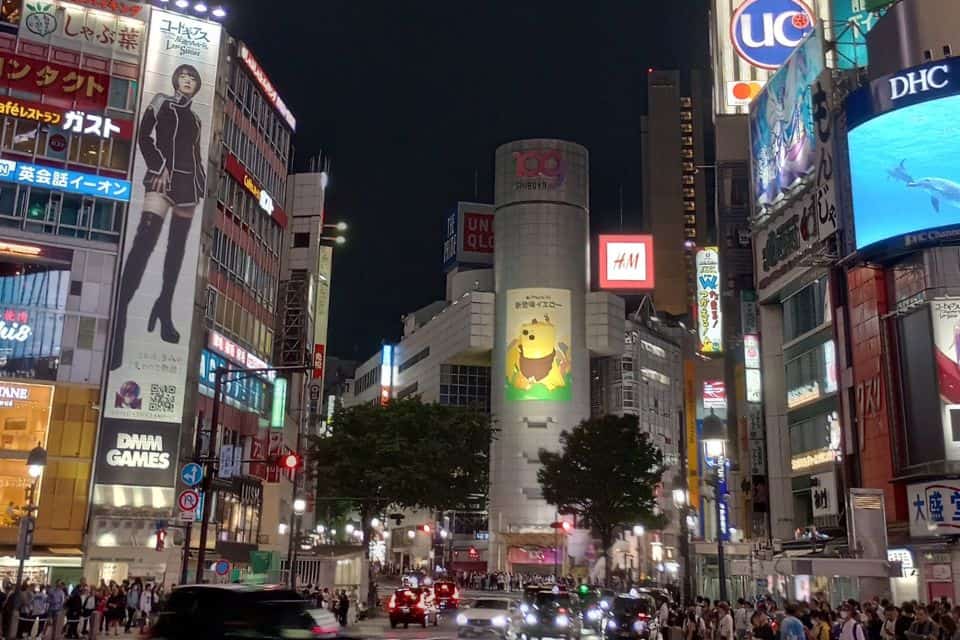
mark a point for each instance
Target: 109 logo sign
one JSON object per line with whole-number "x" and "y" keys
{"x": 765, "y": 32}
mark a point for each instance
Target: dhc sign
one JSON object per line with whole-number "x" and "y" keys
{"x": 919, "y": 81}
{"x": 765, "y": 32}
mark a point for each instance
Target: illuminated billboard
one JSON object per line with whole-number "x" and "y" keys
{"x": 538, "y": 365}
{"x": 945, "y": 315}
{"x": 109, "y": 28}
{"x": 709, "y": 313}
{"x": 751, "y": 39}
{"x": 626, "y": 262}
{"x": 273, "y": 96}
{"x": 904, "y": 173}
{"x": 148, "y": 358}
{"x": 782, "y": 128}
{"x": 468, "y": 239}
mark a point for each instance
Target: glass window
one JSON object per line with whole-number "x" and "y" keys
{"x": 122, "y": 94}
{"x": 103, "y": 216}
{"x": 120, "y": 154}
{"x": 25, "y": 139}
{"x": 87, "y": 332}
{"x": 806, "y": 310}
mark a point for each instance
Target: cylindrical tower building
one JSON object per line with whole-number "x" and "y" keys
{"x": 540, "y": 376}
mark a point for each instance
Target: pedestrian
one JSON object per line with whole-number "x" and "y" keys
{"x": 146, "y": 605}
{"x": 56, "y": 597}
{"x": 923, "y": 628}
{"x": 791, "y": 628}
{"x": 74, "y": 609}
{"x": 133, "y": 594}
{"x": 850, "y": 627}
{"x": 762, "y": 630}
{"x": 820, "y": 625}
{"x": 343, "y": 607}
{"x": 115, "y": 610}
{"x": 724, "y": 622}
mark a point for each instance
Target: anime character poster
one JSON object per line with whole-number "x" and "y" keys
{"x": 782, "y": 134}
{"x": 538, "y": 364}
{"x": 148, "y": 354}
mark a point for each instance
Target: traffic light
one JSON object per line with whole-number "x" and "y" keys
{"x": 562, "y": 525}
{"x": 161, "y": 538}
{"x": 288, "y": 461}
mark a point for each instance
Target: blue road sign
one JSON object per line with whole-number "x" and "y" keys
{"x": 191, "y": 474}
{"x": 221, "y": 568}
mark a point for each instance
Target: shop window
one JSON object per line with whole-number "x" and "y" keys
{"x": 22, "y": 426}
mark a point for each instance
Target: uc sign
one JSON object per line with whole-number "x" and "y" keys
{"x": 765, "y": 32}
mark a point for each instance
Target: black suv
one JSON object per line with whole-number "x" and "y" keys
{"x": 218, "y": 612}
{"x": 552, "y": 613}
{"x": 630, "y": 616}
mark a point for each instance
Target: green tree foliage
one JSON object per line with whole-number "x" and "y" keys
{"x": 605, "y": 474}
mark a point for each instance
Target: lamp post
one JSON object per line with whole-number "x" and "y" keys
{"x": 299, "y": 508}
{"x": 714, "y": 435}
{"x": 36, "y": 461}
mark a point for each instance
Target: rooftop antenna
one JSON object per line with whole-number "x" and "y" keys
{"x": 620, "y": 189}
{"x": 476, "y": 185}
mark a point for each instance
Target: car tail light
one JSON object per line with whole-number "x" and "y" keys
{"x": 319, "y": 631}
{"x": 643, "y": 616}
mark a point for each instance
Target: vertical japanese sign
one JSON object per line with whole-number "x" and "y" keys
{"x": 538, "y": 365}
{"x": 709, "y": 314}
{"x": 945, "y": 315}
{"x": 148, "y": 356}
{"x": 934, "y": 508}
{"x": 690, "y": 429}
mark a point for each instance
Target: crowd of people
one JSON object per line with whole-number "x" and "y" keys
{"x": 338, "y": 602}
{"x": 817, "y": 620}
{"x": 503, "y": 581}
{"x": 36, "y": 609}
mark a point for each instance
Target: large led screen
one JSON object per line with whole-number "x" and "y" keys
{"x": 905, "y": 174}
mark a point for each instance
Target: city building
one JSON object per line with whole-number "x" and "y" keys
{"x": 193, "y": 297}
{"x": 66, "y": 145}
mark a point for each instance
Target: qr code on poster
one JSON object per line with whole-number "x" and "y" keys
{"x": 162, "y": 397}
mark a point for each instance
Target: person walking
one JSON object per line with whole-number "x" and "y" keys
{"x": 134, "y": 592}
{"x": 343, "y": 608}
{"x": 56, "y": 597}
{"x": 146, "y": 606}
{"x": 116, "y": 602}
{"x": 74, "y": 609}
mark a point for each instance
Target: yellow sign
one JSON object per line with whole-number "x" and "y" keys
{"x": 690, "y": 425}
{"x": 811, "y": 459}
{"x": 538, "y": 364}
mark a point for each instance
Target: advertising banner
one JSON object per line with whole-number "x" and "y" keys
{"x": 714, "y": 394}
{"x": 945, "y": 315}
{"x": 32, "y": 307}
{"x": 468, "y": 236}
{"x": 540, "y": 170}
{"x": 273, "y": 96}
{"x": 934, "y": 508}
{"x": 692, "y": 442}
{"x": 84, "y": 184}
{"x": 137, "y": 452}
{"x": 782, "y": 130}
{"x": 104, "y": 30}
{"x": 904, "y": 174}
{"x": 626, "y": 262}
{"x": 148, "y": 359}
{"x": 853, "y": 20}
{"x": 59, "y": 84}
{"x": 751, "y": 39}
{"x": 823, "y": 494}
{"x": 709, "y": 313}
{"x": 538, "y": 365}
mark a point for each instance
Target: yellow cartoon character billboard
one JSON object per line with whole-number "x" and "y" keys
{"x": 538, "y": 363}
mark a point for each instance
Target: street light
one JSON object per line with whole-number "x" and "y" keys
{"x": 36, "y": 461}
{"x": 349, "y": 528}
{"x": 299, "y": 506}
{"x": 714, "y": 436}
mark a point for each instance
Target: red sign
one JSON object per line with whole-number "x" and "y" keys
{"x": 478, "y": 232}
{"x": 537, "y": 163}
{"x": 714, "y": 394}
{"x": 235, "y": 169}
{"x": 257, "y": 452}
{"x": 58, "y": 84}
{"x": 114, "y": 6}
{"x": 274, "y": 448}
{"x": 626, "y": 262}
{"x": 318, "y": 357}
{"x": 261, "y": 77}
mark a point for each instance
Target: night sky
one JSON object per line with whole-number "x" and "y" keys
{"x": 409, "y": 98}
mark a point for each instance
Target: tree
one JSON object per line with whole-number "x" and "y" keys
{"x": 606, "y": 474}
{"x": 405, "y": 454}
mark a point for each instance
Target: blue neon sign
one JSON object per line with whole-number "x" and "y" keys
{"x": 83, "y": 184}
{"x": 765, "y": 32}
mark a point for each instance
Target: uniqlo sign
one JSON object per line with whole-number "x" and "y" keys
{"x": 626, "y": 262}
{"x": 478, "y": 232}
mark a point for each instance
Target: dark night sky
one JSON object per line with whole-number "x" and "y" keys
{"x": 410, "y": 97}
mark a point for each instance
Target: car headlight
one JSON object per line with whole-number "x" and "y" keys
{"x": 499, "y": 621}
{"x": 593, "y": 614}
{"x": 639, "y": 626}
{"x": 604, "y": 604}
{"x": 530, "y": 619}
{"x": 524, "y": 608}
{"x": 461, "y": 620}
{"x": 561, "y": 620}
{"x": 612, "y": 624}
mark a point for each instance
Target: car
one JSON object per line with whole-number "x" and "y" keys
{"x": 487, "y": 617}
{"x": 592, "y": 607}
{"x": 447, "y": 594}
{"x": 325, "y": 624}
{"x": 631, "y": 616}
{"x": 218, "y": 612}
{"x": 554, "y": 613}
{"x": 412, "y": 606}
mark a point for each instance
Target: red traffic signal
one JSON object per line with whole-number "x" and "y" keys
{"x": 288, "y": 461}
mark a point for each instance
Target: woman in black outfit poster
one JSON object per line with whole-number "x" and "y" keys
{"x": 169, "y": 140}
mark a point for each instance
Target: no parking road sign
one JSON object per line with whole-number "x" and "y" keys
{"x": 188, "y": 500}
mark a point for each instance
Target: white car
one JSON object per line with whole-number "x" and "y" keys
{"x": 325, "y": 624}
{"x": 487, "y": 617}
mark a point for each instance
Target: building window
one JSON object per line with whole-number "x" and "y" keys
{"x": 465, "y": 386}
{"x": 806, "y": 310}
{"x": 123, "y": 94}
{"x": 421, "y": 355}
{"x": 301, "y": 240}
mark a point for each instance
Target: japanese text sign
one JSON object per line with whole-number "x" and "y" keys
{"x": 709, "y": 314}
{"x": 58, "y": 84}
{"x": 93, "y": 30}
{"x": 84, "y": 184}
{"x": 626, "y": 262}
{"x": 934, "y": 508}
{"x": 218, "y": 343}
{"x": 273, "y": 96}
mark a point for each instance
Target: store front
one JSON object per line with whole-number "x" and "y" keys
{"x": 24, "y": 422}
